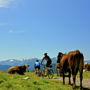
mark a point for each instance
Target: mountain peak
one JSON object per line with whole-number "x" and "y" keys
{"x": 11, "y": 60}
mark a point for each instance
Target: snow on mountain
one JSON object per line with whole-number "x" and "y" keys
{"x": 30, "y": 62}
{"x": 11, "y": 60}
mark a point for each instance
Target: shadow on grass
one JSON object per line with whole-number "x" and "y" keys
{"x": 84, "y": 88}
{"x": 36, "y": 83}
{"x": 45, "y": 81}
{"x": 1, "y": 81}
{"x": 39, "y": 88}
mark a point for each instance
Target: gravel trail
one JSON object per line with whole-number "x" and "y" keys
{"x": 85, "y": 82}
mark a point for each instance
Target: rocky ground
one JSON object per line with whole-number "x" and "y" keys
{"x": 85, "y": 83}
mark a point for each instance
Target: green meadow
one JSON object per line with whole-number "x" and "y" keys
{"x": 17, "y": 82}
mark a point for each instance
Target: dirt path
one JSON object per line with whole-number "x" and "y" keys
{"x": 85, "y": 83}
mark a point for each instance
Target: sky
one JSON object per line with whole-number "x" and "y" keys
{"x": 29, "y": 28}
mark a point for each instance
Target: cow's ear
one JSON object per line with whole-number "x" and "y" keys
{"x": 61, "y": 55}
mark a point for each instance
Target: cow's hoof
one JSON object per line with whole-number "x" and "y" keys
{"x": 69, "y": 83}
{"x": 81, "y": 88}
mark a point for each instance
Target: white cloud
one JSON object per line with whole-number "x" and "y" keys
{"x": 5, "y": 3}
{"x": 16, "y": 32}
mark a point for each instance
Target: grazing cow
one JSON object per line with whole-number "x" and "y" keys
{"x": 18, "y": 69}
{"x": 86, "y": 67}
{"x": 72, "y": 62}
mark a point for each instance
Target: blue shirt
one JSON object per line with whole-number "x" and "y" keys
{"x": 37, "y": 63}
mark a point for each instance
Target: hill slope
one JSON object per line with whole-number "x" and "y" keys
{"x": 17, "y": 82}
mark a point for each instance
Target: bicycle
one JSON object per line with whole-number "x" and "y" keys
{"x": 50, "y": 72}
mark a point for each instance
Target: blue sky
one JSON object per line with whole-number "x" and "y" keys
{"x": 28, "y": 28}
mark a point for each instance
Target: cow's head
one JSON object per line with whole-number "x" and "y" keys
{"x": 27, "y": 67}
{"x": 22, "y": 68}
{"x": 60, "y": 54}
{"x": 59, "y": 57}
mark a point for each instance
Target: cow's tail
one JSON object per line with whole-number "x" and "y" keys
{"x": 81, "y": 69}
{"x": 81, "y": 63}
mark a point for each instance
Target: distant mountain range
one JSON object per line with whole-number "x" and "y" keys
{"x": 4, "y": 68}
{"x": 88, "y": 61}
{"x": 6, "y": 64}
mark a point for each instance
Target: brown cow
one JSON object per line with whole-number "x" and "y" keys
{"x": 72, "y": 62}
{"x": 18, "y": 69}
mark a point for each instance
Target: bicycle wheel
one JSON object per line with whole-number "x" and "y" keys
{"x": 50, "y": 74}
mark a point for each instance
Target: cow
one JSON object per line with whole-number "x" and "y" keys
{"x": 18, "y": 69}
{"x": 72, "y": 62}
{"x": 86, "y": 67}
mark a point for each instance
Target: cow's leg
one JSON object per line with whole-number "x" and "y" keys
{"x": 81, "y": 77}
{"x": 69, "y": 77}
{"x": 74, "y": 80}
{"x": 63, "y": 78}
{"x": 12, "y": 72}
{"x": 56, "y": 71}
{"x": 60, "y": 72}
{"x": 81, "y": 69}
{"x": 20, "y": 72}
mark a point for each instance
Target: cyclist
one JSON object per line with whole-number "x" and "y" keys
{"x": 48, "y": 59}
{"x": 37, "y": 66}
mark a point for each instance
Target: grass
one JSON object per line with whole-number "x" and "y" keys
{"x": 16, "y": 82}
{"x": 85, "y": 75}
